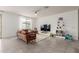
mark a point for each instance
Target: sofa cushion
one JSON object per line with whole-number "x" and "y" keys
{"x": 23, "y": 32}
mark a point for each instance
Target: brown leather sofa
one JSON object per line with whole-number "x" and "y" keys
{"x": 27, "y": 36}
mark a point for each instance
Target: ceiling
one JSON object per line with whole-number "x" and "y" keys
{"x": 30, "y": 10}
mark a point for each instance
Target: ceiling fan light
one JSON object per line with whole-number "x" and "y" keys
{"x": 35, "y": 14}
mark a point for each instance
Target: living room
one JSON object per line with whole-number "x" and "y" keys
{"x": 44, "y": 21}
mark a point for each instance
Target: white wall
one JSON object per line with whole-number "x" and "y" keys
{"x": 0, "y": 25}
{"x": 34, "y": 20}
{"x": 70, "y": 20}
{"x": 9, "y": 24}
{"x": 78, "y": 24}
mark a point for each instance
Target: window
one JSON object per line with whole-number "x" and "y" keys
{"x": 25, "y": 23}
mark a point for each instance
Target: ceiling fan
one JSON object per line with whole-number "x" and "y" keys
{"x": 37, "y": 11}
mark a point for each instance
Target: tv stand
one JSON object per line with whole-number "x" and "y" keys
{"x": 44, "y": 31}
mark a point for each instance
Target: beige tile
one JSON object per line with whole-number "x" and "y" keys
{"x": 52, "y": 45}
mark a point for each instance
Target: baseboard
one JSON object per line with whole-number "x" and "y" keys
{"x": 9, "y": 37}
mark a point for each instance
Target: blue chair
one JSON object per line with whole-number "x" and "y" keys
{"x": 68, "y": 37}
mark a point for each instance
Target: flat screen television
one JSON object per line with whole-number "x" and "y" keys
{"x": 45, "y": 27}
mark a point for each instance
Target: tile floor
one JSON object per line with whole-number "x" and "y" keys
{"x": 49, "y": 45}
